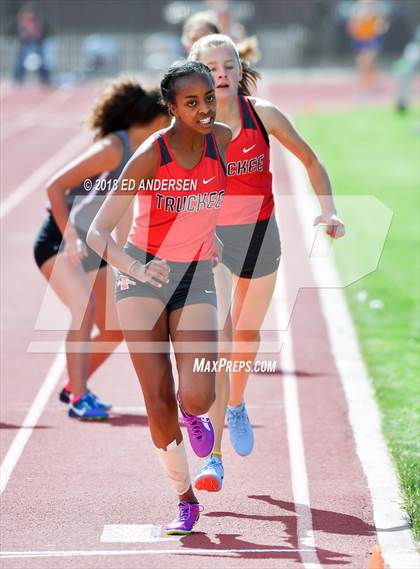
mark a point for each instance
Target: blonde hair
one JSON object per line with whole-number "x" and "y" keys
{"x": 250, "y": 77}
{"x": 248, "y": 49}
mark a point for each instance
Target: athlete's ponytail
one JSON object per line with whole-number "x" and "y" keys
{"x": 245, "y": 51}
{"x": 248, "y": 83}
{"x": 248, "y": 49}
{"x": 248, "y": 53}
{"x": 122, "y": 105}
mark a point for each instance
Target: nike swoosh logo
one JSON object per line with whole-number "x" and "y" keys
{"x": 209, "y": 180}
{"x": 79, "y": 412}
{"x": 209, "y": 291}
{"x": 246, "y": 150}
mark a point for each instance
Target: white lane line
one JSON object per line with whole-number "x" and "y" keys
{"x": 41, "y": 175}
{"x": 299, "y": 476}
{"x": 134, "y": 410}
{"x": 134, "y": 533}
{"x": 5, "y": 89}
{"x": 141, "y": 409}
{"x": 395, "y": 538}
{"x": 52, "y": 346}
{"x": 211, "y": 551}
{"x": 30, "y": 421}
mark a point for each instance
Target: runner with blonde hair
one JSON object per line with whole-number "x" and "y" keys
{"x": 248, "y": 230}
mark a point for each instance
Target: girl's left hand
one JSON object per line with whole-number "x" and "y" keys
{"x": 335, "y": 227}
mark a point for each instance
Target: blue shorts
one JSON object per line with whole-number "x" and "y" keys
{"x": 373, "y": 43}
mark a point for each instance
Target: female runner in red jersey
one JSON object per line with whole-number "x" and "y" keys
{"x": 123, "y": 117}
{"x": 248, "y": 230}
{"x": 165, "y": 290}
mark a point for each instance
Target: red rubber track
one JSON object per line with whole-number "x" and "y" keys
{"x": 74, "y": 478}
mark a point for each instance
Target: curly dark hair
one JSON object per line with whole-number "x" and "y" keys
{"x": 123, "y": 104}
{"x": 176, "y": 71}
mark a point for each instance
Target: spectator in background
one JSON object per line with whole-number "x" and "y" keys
{"x": 195, "y": 27}
{"x": 226, "y": 24}
{"x": 32, "y": 50}
{"x": 404, "y": 70}
{"x": 367, "y": 25}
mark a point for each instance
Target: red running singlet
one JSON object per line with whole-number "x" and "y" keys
{"x": 249, "y": 196}
{"x": 179, "y": 208}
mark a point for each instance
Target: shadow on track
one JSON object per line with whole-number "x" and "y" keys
{"x": 322, "y": 520}
{"x": 127, "y": 420}
{"x": 233, "y": 541}
{"x": 6, "y": 426}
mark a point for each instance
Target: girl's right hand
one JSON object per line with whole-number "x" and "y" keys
{"x": 74, "y": 249}
{"x": 155, "y": 272}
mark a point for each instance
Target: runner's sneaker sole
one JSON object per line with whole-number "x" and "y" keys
{"x": 207, "y": 483}
{"x": 88, "y": 418}
{"x": 93, "y": 419}
{"x": 178, "y": 532}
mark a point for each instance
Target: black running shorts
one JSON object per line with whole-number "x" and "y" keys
{"x": 49, "y": 242}
{"x": 251, "y": 250}
{"x": 189, "y": 283}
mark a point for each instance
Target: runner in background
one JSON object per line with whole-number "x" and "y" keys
{"x": 202, "y": 24}
{"x": 367, "y": 25}
{"x": 248, "y": 230}
{"x": 165, "y": 290}
{"x": 121, "y": 120}
{"x": 32, "y": 54}
{"x": 195, "y": 27}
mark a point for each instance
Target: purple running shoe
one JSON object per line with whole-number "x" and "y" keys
{"x": 200, "y": 432}
{"x": 188, "y": 516}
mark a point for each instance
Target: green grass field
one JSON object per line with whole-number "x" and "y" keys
{"x": 376, "y": 152}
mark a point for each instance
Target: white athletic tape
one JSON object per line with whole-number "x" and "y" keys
{"x": 172, "y": 445}
{"x": 175, "y": 463}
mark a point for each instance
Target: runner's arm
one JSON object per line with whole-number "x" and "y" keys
{"x": 223, "y": 135}
{"x": 142, "y": 166}
{"x": 277, "y": 124}
{"x": 103, "y": 156}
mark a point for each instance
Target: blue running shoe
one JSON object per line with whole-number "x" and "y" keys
{"x": 210, "y": 476}
{"x": 86, "y": 410}
{"x": 64, "y": 397}
{"x": 98, "y": 402}
{"x": 240, "y": 430}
